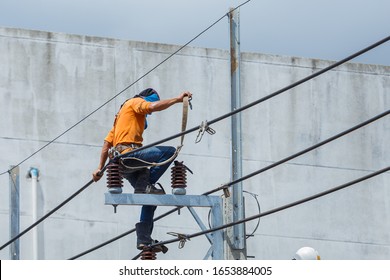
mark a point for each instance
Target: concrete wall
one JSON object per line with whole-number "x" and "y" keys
{"x": 49, "y": 82}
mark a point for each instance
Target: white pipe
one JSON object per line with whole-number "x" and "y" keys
{"x": 34, "y": 194}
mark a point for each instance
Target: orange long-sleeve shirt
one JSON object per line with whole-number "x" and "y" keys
{"x": 129, "y": 123}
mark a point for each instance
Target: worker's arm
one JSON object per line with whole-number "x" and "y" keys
{"x": 97, "y": 174}
{"x": 166, "y": 103}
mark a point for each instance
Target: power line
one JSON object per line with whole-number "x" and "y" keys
{"x": 46, "y": 216}
{"x": 278, "y": 209}
{"x": 273, "y": 165}
{"x": 101, "y": 106}
{"x": 234, "y": 112}
{"x": 312, "y": 76}
{"x": 125, "y": 89}
{"x": 274, "y": 94}
{"x": 330, "y": 139}
{"x": 322, "y": 143}
{"x": 191, "y": 130}
{"x": 122, "y": 235}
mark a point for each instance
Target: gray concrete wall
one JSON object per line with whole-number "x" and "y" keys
{"x": 49, "y": 82}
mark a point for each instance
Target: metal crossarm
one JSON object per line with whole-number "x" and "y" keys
{"x": 214, "y": 202}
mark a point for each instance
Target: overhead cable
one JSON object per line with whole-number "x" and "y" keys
{"x": 125, "y": 89}
{"x": 274, "y": 94}
{"x": 196, "y": 128}
{"x": 312, "y": 76}
{"x": 330, "y": 139}
{"x": 46, "y": 216}
{"x": 122, "y": 235}
{"x": 278, "y": 209}
{"x": 50, "y": 142}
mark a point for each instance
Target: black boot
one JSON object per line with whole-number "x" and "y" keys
{"x": 143, "y": 177}
{"x": 143, "y": 231}
{"x": 151, "y": 189}
{"x": 144, "y": 239}
{"x": 143, "y": 186}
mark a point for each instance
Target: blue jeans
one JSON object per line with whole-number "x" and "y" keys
{"x": 153, "y": 154}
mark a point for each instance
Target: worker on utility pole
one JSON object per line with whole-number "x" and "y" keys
{"x": 125, "y": 136}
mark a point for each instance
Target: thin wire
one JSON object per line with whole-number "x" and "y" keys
{"x": 274, "y": 94}
{"x": 46, "y": 216}
{"x": 137, "y": 256}
{"x": 247, "y": 177}
{"x": 259, "y": 209}
{"x": 258, "y": 221}
{"x": 330, "y": 139}
{"x": 50, "y": 142}
{"x": 219, "y": 118}
{"x": 122, "y": 235}
{"x": 125, "y": 89}
{"x": 281, "y": 208}
{"x": 215, "y": 120}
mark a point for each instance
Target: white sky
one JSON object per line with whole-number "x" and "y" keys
{"x": 324, "y": 29}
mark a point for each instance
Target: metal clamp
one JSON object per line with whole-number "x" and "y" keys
{"x": 204, "y": 127}
{"x": 183, "y": 238}
{"x": 189, "y": 102}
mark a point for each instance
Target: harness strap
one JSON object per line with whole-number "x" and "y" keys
{"x": 151, "y": 164}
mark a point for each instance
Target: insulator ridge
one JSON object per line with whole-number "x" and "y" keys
{"x": 114, "y": 177}
{"x": 179, "y": 177}
{"x": 148, "y": 254}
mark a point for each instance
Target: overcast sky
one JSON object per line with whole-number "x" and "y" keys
{"x": 324, "y": 29}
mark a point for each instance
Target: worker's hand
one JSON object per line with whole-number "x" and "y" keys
{"x": 183, "y": 94}
{"x": 97, "y": 175}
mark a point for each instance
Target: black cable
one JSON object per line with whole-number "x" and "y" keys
{"x": 278, "y": 209}
{"x": 196, "y": 128}
{"x": 235, "y": 112}
{"x": 250, "y": 175}
{"x": 125, "y": 89}
{"x": 122, "y": 235}
{"x": 262, "y": 100}
{"x": 306, "y": 79}
{"x": 330, "y": 139}
{"x": 46, "y": 216}
{"x": 193, "y": 129}
{"x": 101, "y": 106}
{"x": 137, "y": 256}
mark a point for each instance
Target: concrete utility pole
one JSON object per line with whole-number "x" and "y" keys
{"x": 14, "y": 213}
{"x": 236, "y": 244}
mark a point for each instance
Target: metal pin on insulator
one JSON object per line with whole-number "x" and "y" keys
{"x": 179, "y": 177}
{"x": 148, "y": 254}
{"x": 114, "y": 178}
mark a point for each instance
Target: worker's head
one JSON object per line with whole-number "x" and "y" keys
{"x": 306, "y": 253}
{"x": 149, "y": 95}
